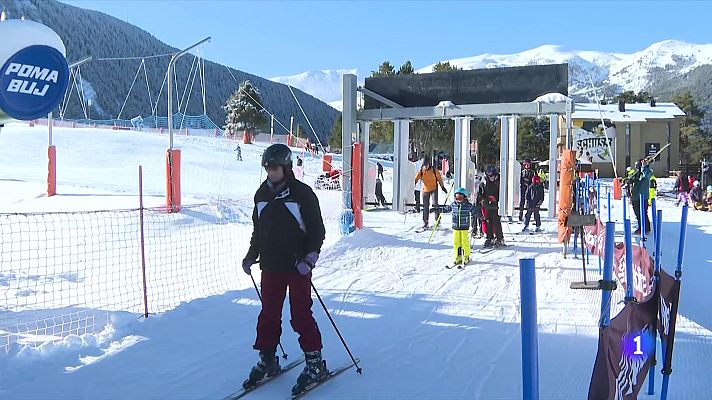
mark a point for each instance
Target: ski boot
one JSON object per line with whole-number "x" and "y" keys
{"x": 525, "y": 229}
{"x": 267, "y": 366}
{"x": 489, "y": 243}
{"x": 500, "y": 243}
{"x": 538, "y": 229}
{"x": 313, "y": 373}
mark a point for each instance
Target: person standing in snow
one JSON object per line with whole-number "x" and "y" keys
{"x": 463, "y": 213}
{"x": 640, "y": 189}
{"x": 525, "y": 180}
{"x": 380, "y": 199}
{"x": 697, "y": 197}
{"x": 477, "y": 222}
{"x": 238, "y": 152}
{"x": 490, "y": 206}
{"x": 380, "y": 170}
{"x": 287, "y": 237}
{"x": 299, "y": 169}
{"x": 534, "y": 197}
{"x": 681, "y": 188}
{"x": 430, "y": 176}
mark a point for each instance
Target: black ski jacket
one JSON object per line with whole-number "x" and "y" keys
{"x": 287, "y": 226}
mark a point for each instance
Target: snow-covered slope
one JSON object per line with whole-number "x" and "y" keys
{"x": 616, "y": 71}
{"x": 420, "y": 331}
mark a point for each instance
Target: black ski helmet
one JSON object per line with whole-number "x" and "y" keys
{"x": 277, "y": 154}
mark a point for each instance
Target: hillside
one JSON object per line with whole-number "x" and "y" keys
{"x": 92, "y": 33}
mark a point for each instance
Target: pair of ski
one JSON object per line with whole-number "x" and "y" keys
{"x": 332, "y": 373}
{"x": 461, "y": 265}
{"x": 531, "y": 232}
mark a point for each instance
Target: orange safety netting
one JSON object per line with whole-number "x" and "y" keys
{"x": 566, "y": 172}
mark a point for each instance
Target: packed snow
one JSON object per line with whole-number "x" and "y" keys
{"x": 420, "y": 331}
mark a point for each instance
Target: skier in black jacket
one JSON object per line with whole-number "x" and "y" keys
{"x": 287, "y": 237}
{"x": 490, "y": 204}
{"x": 525, "y": 180}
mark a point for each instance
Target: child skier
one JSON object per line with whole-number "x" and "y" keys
{"x": 478, "y": 219}
{"x": 534, "y": 197}
{"x": 462, "y": 217}
{"x": 525, "y": 180}
{"x": 490, "y": 205}
{"x": 697, "y": 197}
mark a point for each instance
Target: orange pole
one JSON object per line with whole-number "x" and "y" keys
{"x": 566, "y": 172}
{"x": 51, "y": 171}
{"x": 356, "y": 185}
{"x": 173, "y": 180}
{"x": 617, "y": 189}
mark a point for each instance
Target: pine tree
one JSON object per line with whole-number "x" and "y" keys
{"x": 336, "y": 134}
{"x": 445, "y": 66}
{"x": 384, "y": 69}
{"x": 243, "y": 111}
{"x": 406, "y": 69}
{"x": 631, "y": 97}
{"x": 695, "y": 143}
{"x": 533, "y": 138}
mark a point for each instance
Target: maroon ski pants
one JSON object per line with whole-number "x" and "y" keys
{"x": 269, "y": 323}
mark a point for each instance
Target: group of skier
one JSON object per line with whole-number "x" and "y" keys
{"x": 689, "y": 190}
{"x": 478, "y": 213}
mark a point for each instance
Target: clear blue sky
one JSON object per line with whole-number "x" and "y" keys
{"x": 275, "y": 38}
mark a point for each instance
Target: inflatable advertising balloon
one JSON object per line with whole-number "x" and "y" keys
{"x": 33, "y": 70}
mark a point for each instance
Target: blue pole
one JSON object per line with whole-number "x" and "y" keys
{"x": 609, "y": 205}
{"x": 576, "y": 202}
{"x": 530, "y": 346}
{"x": 625, "y": 208}
{"x": 641, "y": 223}
{"x": 607, "y": 273}
{"x": 681, "y": 245}
{"x": 657, "y": 224}
{"x": 654, "y": 218}
{"x": 584, "y": 198}
{"x": 598, "y": 198}
{"x": 628, "y": 262}
{"x": 667, "y": 347}
{"x": 658, "y": 236}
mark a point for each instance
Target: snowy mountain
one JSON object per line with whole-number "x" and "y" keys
{"x": 325, "y": 85}
{"x": 647, "y": 69}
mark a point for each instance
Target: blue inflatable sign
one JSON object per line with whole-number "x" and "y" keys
{"x": 33, "y": 82}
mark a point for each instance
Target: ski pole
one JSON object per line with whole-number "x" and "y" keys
{"x": 358, "y": 369}
{"x": 440, "y": 214}
{"x": 260, "y": 297}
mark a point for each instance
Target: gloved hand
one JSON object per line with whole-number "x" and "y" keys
{"x": 444, "y": 189}
{"x": 247, "y": 264}
{"x": 307, "y": 263}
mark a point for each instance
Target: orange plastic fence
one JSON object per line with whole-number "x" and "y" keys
{"x": 566, "y": 172}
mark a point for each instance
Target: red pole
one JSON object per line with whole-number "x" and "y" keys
{"x": 143, "y": 254}
{"x": 356, "y": 185}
